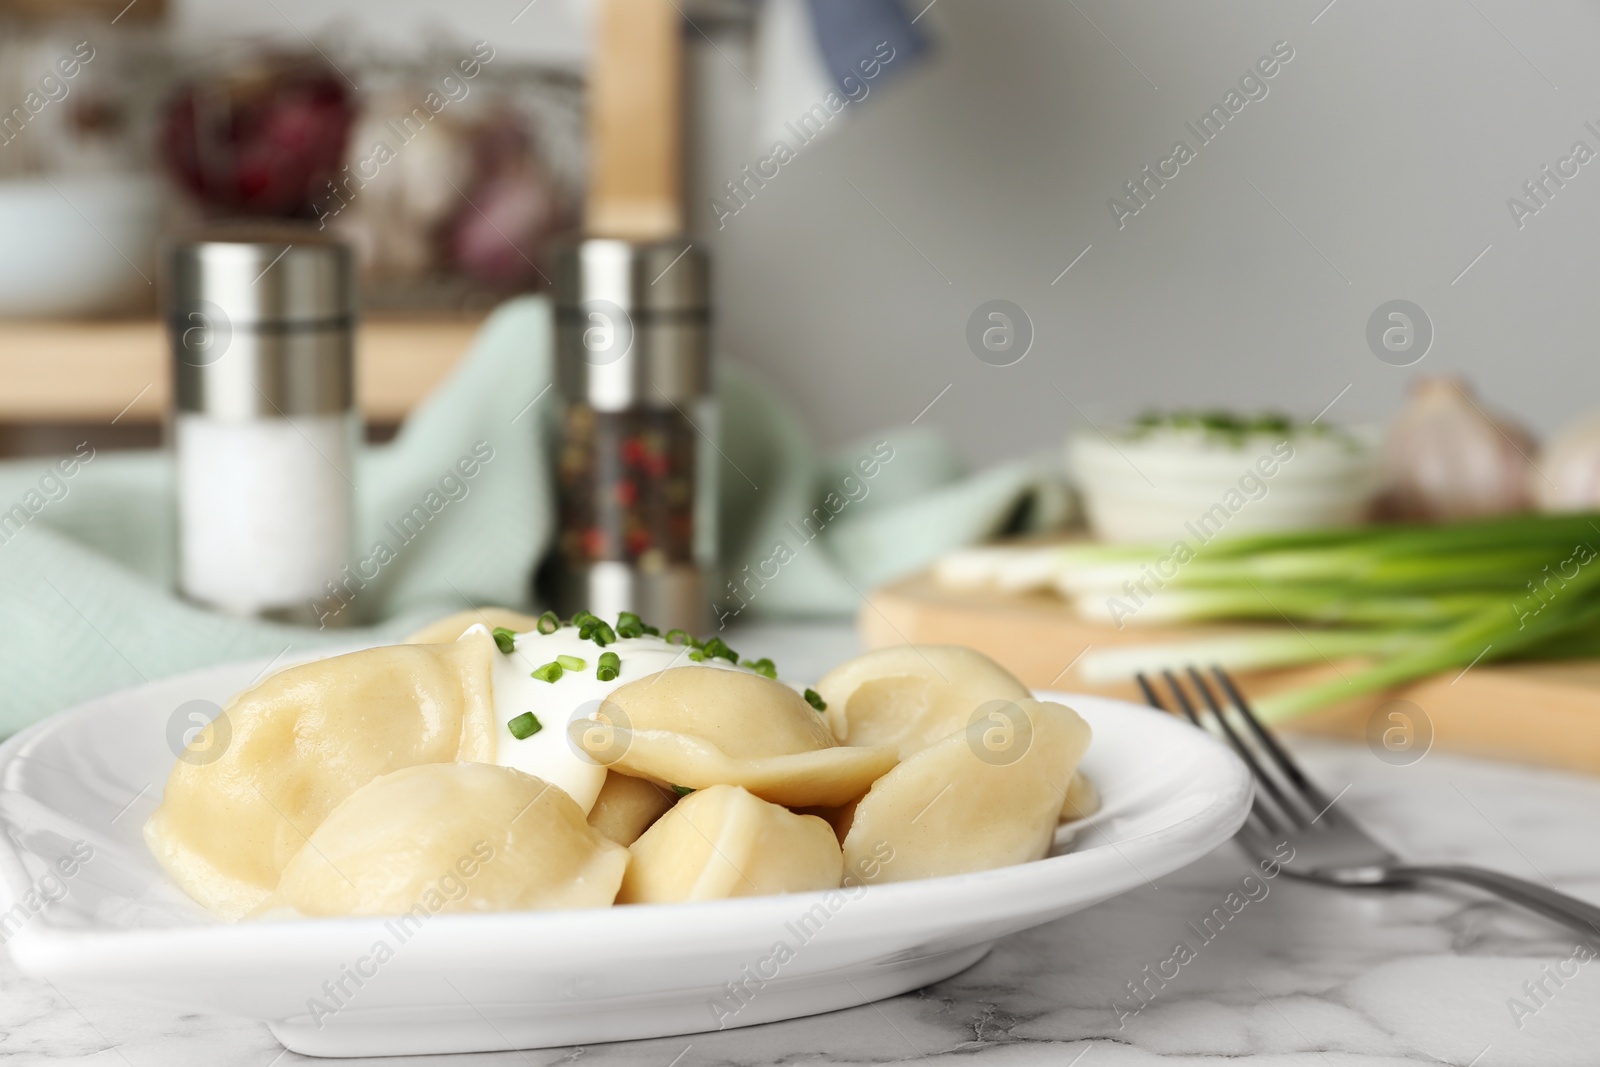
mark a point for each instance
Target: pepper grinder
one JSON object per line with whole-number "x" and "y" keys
{"x": 265, "y": 427}
{"x": 636, "y": 472}
{"x": 636, "y": 469}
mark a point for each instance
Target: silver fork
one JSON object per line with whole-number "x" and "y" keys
{"x": 1329, "y": 846}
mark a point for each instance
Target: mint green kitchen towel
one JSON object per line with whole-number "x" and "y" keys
{"x": 86, "y": 542}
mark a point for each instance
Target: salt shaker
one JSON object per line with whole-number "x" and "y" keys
{"x": 265, "y": 427}
{"x": 636, "y": 467}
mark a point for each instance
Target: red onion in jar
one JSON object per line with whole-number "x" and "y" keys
{"x": 264, "y": 139}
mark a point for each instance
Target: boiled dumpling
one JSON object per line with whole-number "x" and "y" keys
{"x": 839, "y": 818}
{"x": 989, "y": 795}
{"x": 627, "y": 806}
{"x": 453, "y": 837}
{"x": 696, "y": 728}
{"x": 724, "y": 842}
{"x": 296, "y": 745}
{"x": 1083, "y": 799}
{"x": 451, "y": 627}
{"x": 912, "y": 695}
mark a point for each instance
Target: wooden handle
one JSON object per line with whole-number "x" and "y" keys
{"x": 636, "y": 121}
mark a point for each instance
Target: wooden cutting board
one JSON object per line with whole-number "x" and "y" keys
{"x": 1540, "y": 713}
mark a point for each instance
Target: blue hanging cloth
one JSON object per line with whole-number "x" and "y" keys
{"x": 852, "y": 32}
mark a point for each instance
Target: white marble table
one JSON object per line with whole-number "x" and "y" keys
{"x": 1303, "y": 976}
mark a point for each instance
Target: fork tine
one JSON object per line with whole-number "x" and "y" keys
{"x": 1149, "y": 693}
{"x": 1269, "y": 782}
{"x": 1182, "y": 698}
{"x": 1291, "y": 770}
{"x": 1259, "y": 809}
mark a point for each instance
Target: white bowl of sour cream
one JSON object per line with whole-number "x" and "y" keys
{"x": 1156, "y": 483}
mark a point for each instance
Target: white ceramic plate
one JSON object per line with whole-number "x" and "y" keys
{"x": 87, "y": 780}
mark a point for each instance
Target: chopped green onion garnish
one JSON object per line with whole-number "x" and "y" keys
{"x": 584, "y": 616}
{"x": 549, "y": 622}
{"x": 603, "y": 634}
{"x": 550, "y": 672}
{"x": 610, "y": 666}
{"x": 629, "y": 624}
{"x": 762, "y": 666}
{"x": 679, "y": 637}
{"x": 682, "y": 790}
{"x": 571, "y": 663}
{"x": 698, "y": 655}
{"x": 505, "y": 640}
{"x": 652, "y": 631}
{"x": 815, "y": 700}
{"x": 717, "y": 647}
{"x": 524, "y": 726}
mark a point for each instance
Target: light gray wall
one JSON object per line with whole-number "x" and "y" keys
{"x": 1377, "y": 167}
{"x": 550, "y": 30}
{"x": 1390, "y": 145}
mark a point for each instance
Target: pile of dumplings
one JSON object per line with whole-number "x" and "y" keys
{"x": 368, "y": 784}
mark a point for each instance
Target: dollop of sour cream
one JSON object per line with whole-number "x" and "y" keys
{"x": 554, "y": 753}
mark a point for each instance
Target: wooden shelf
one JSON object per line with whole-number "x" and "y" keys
{"x": 94, "y": 371}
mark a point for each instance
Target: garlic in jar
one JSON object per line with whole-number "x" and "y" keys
{"x": 1445, "y": 457}
{"x": 1569, "y": 469}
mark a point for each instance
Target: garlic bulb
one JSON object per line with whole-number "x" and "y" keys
{"x": 1447, "y": 458}
{"x": 1568, "y": 478}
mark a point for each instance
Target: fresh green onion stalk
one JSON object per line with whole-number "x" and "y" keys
{"x": 1412, "y": 600}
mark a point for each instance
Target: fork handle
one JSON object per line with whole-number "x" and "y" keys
{"x": 1569, "y": 911}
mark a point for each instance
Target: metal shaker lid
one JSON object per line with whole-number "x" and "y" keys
{"x": 261, "y": 322}
{"x": 265, "y": 277}
{"x": 633, "y": 322}
{"x": 641, "y": 277}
